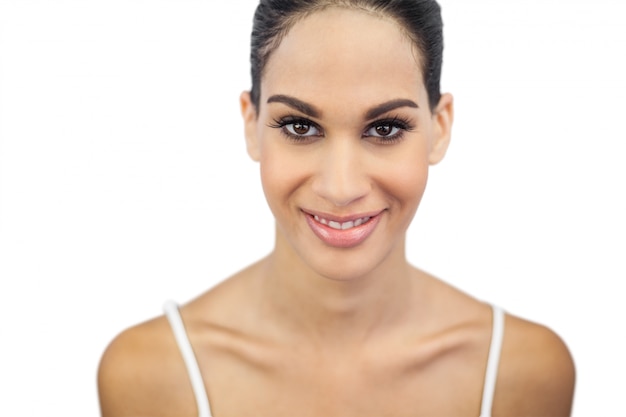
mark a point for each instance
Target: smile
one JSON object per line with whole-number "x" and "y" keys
{"x": 345, "y": 231}
{"x": 343, "y": 225}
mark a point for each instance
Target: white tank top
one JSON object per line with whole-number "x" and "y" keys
{"x": 202, "y": 401}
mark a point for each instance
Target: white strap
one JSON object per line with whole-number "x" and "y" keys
{"x": 173, "y": 316}
{"x": 491, "y": 373}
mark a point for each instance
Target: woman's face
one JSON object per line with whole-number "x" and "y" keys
{"x": 344, "y": 137}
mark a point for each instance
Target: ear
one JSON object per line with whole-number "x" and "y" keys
{"x": 443, "y": 117}
{"x": 249, "y": 114}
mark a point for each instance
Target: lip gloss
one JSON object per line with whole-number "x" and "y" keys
{"x": 347, "y": 238}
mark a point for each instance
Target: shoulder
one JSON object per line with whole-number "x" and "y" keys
{"x": 536, "y": 374}
{"x": 142, "y": 373}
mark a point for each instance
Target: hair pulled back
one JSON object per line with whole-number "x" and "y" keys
{"x": 420, "y": 20}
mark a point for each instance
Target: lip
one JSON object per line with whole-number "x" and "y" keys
{"x": 340, "y": 218}
{"x": 346, "y": 238}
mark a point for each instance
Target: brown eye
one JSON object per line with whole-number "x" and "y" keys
{"x": 384, "y": 130}
{"x": 300, "y": 128}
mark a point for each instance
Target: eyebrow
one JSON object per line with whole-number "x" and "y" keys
{"x": 388, "y": 106}
{"x": 293, "y": 102}
{"x": 312, "y": 111}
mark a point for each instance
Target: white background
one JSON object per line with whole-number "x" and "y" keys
{"x": 124, "y": 180}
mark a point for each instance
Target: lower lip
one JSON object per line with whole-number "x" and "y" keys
{"x": 343, "y": 238}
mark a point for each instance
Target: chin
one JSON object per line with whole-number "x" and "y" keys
{"x": 344, "y": 274}
{"x": 348, "y": 265}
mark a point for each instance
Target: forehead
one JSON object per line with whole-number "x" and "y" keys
{"x": 345, "y": 56}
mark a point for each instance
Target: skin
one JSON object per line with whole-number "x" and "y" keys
{"x": 316, "y": 330}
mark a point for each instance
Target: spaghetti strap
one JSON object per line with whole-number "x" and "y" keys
{"x": 202, "y": 400}
{"x": 493, "y": 360}
{"x": 176, "y": 322}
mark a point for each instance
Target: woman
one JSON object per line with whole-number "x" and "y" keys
{"x": 344, "y": 117}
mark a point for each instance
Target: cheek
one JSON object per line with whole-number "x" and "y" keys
{"x": 272, "y": 181}
{"x": 405, "y": 179}
{"x": 281, "y": 175}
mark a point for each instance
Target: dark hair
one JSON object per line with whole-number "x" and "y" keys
{"x": 420, "y": 19}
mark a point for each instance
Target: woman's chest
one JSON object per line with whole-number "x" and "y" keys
{"x": 387, "y": 387}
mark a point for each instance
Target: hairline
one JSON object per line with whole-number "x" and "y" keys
{"x": 267, "y": 51}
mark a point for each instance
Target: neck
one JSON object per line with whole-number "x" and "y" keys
{"x": 336, "y": 312}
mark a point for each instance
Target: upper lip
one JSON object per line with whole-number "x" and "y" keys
{"x": 341, "y": 218}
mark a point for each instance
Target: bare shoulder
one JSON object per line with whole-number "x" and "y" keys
{"x": 142, "y": 373}
{"x": 536, "y": 375}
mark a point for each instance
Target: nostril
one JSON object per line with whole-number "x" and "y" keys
{"x": 341, "y": 187}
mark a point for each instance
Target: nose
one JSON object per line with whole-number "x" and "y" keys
{"x": 341, "y": 177}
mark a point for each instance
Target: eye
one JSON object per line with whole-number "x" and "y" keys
{"x": 388, "y": 131}
{"x": 297, "y": 129}
{"x": 301, "y": 128}
{"x": 383, "y": 130}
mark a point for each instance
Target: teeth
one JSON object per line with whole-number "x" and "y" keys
{"x": 334, "y": 225}
{"x": 347, "y": 225}
{"x": 323, "y": 221}
{"x": 341, "y": 226}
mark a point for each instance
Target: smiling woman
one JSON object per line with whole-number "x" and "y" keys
{"x": 344, "y": 118}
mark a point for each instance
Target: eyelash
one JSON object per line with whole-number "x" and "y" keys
{"x": 403, "y": 125}
{"x": 283, "y": 122}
